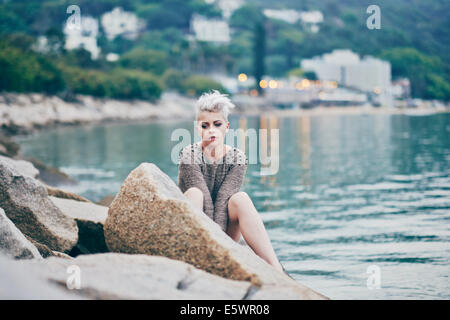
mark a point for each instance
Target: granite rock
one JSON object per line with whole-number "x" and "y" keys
{"x": 13, "y": 243}
{"x": 26, "y": 203}
{"x": 90, "y": 218}
{"x": 150, "y": 215}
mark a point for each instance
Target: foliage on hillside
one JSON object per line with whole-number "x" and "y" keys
{"x": 414, "y": 37}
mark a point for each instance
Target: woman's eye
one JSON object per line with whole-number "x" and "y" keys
{"x": 218, "y": 124}
{"x": 204, "y": 126}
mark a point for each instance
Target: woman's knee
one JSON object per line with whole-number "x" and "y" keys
{"x": 238, "y": 200}
{"x": 193, "y": 192}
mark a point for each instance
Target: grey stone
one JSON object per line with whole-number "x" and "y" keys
{"x": 90, "y": 218}
{"x": 27, "y": 205}
{"x": 20, "y": 281}
{"x": 13, "y": 243}
{"x": 24, "y": 167}
{"x": 125, "y": 276}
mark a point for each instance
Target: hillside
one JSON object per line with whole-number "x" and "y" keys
{"x": 414, "y": 37}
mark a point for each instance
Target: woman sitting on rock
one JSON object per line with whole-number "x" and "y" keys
{"x": 211, "y": 174}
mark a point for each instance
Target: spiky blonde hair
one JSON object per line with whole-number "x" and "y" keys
{"x": 214, "y": 101}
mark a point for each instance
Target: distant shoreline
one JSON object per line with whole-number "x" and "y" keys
{"x": 22, "y": 114}
{"x": 321, "y": 111}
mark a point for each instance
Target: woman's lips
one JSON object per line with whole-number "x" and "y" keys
{"x": 212, "y": 138}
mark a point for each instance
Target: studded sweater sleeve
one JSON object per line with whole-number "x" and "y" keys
{"x": 190, "y": 175}
{"x": 231, "y": 185}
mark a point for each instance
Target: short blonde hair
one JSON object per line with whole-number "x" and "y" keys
{"x": 214, "y": 101}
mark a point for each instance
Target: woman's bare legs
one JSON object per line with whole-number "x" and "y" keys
{"x": 245, "y": 218}
{"x": 195, "y": 195}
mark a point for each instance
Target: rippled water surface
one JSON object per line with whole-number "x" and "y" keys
{"x": 352, "y": 194}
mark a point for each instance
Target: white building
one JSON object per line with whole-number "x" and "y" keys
{"x": 84, "y": 36}
{"x": 213, "y": 30}
{"x": 344, "y": 66}
{"x": 229, "y": 6}
{"x": 310, "y": 19}
{"x": 289, "y": 16}
{"x": 118, "y": 22}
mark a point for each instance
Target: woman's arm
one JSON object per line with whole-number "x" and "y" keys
{"x": 190, "y": 175}
{"x": 231, "y": 185}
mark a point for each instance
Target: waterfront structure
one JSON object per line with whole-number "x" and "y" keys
{"x": 370, "y": 75}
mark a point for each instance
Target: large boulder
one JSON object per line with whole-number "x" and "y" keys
{"x": 26, "y": 203}
{"x": 125, "y": 276}
{"x": 90, "y": 218}
{"x": 21, "y": 280}
{"x": 150, "y": 215}
{"x": 121, "y": 276}
{"x": 13, "y": 243}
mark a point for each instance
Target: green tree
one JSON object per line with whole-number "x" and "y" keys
{"x": 425, "y": 72}
{"x": 146, "y": 60}
{"x": 197, "y": 84}
{"x": 27, "y": 71}
{"x": 259, "y": 54}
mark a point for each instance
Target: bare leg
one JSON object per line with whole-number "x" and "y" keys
{"x": 195, "y": 195}
{"x": 245, "y": 218}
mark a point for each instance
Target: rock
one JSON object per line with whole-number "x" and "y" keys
{"x": 150, "y": 215}
{"x": 24, "y": 167}
{"x": 90, "y": 218}
{"x": 42, "y": 248}
{"x": 59, "y": 193}
{"x": 23, "y": 281}
{"x": 3, "y": 150}
{"x": 8, "y": 147}
{"x": 106, "y": 201}
{"x": 125, "y": 276}
{"x": 26, "y": 203}
{"x": 13, "y": 243}
{"x": 61, "y": 255}
{"x": 50, "y": 175}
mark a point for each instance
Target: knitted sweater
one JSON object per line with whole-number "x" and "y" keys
{"x": 217, "y": 180}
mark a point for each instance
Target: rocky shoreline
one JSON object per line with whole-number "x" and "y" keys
{"x": 149, "y": 243}
{"x": 26, "y": 113}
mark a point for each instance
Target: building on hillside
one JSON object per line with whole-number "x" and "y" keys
{"x": 210, "y": 30}
{"x": 312, "y": 20}
{"x": 309, "y": 19}
{"x": 228, "y": 6}
{"x": 118, "y": 22}
{"x": 83, "y": 37}
{"x": 369, "y": 74}
{"x": 289, "y": 16}
{"x": 401, "y": 88}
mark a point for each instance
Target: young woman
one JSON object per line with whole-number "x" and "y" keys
{"x": 211, "y": 174}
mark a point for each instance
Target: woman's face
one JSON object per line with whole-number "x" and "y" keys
{"x": 212, "y": 127}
